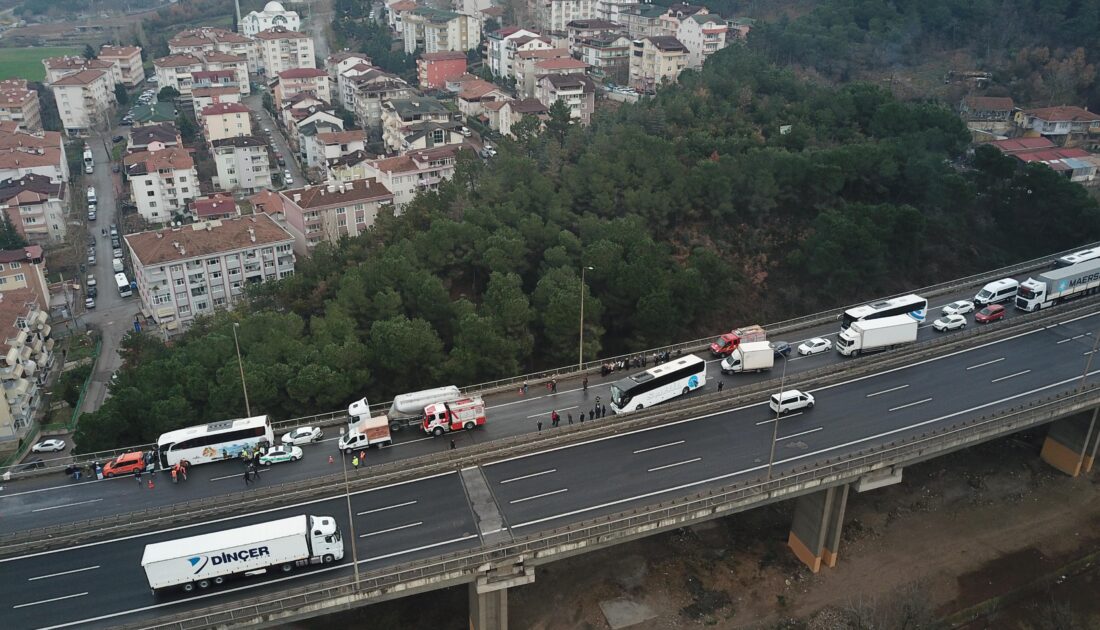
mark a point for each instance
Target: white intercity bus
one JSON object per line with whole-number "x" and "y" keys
{"x": 912, "y": 305}
{"x": 123, "y": 285}
{"x": 658, "y": 384}
{"x": 213, "y": 442}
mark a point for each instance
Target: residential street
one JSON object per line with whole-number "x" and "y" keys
{"x": 254, "y": 102}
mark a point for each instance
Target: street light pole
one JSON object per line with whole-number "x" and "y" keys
{"x": 775, "y": 425}
{"x": 351, "y": 517}
{"x": 240, "y": 364}
{"x": 580, "y": 350}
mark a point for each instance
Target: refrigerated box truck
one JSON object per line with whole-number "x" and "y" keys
{"x": 756, "y": 356}
{"x": 206, "y": 560}
{"x": 873, "y": 335}
{"x": 1059, "y": 285}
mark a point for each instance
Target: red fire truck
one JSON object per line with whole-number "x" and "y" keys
{"x": 727, "y": 343}
{"x": 465, "y": 413}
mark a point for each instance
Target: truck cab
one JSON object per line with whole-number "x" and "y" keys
{"x": 325, "y": 540}
{"x": 727, "y": 343}
{"x": 465, "y": 413}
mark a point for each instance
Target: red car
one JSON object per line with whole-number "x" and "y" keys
{"x": 990, "y": 314}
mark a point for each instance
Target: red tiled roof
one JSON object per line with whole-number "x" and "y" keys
{"x": 175, "y": 61}
{"x": 1065, "y": 113}
{"x": 120, "y": 52}
{"x": 1016, "y": 145}
{"x": 567, "y": 63}
{"x": 320, "y": 197}
{"x": 546, "y": 53}
{"x": 84, "y": 77}
{"x": 446, "y": 55}
{"x": 302, "y": 73}
{"x": 403, "y": 5}
{"x": 341, "y": 137}
{"x": 161, "y": 246}
{"x": 990, "y": 103}
{"x": 214, "y": 206}
{"x": 172, "y": 158}
{"x": 216, "y": 109}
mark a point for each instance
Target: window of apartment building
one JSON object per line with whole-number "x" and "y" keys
{"x": 15, "y": 265}
{"x": 214, "y": 275}
{"x": 283, "y": 248}
{"x": 1, "y": 266}
{"x": 148, "y": 182}
{"x": 150, "y": 193}
{"x": 183, "y": 180}
{"x": 184, "y": 309}
{"x": 185, "y": 189}
{"x": 234, "y": 271}
{"x": 341, "y": 210}
{"x": 21, "y": 322}
{"x": 200, "y": 306}
{"x": 219, "y": 301}
{"x": 162, "y": 298}
{"x": 20, "y": 277}
{"x": 153, "y": 204}
{"x": 3, "y": 280}
{"x": 180, "y": 282}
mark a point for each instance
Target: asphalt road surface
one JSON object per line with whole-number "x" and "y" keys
{"x": 100, "y": 584}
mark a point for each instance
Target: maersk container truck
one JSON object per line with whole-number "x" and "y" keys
{"x": 1059, "y": 285}
{"x": 873, "y": 335}
{"x": 209, "y": 559}
{"x": 755, "y": 356}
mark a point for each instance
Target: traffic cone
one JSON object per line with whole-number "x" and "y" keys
{"x": 150, "y": 483}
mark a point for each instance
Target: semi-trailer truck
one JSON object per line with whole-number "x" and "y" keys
{"x": 873, "y": 335}
{"x": 728, "y": 342}
{"x": 408, "y": 409}
{"x": 755, "y": 356}
{"x": 1065, "y": 283}
{"x": 210, "y": 559}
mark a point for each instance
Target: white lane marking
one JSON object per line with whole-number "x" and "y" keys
{"x": 912, "y": 404}
{"x": 974, "y": 367}
{"x": 392, "y": 529}
{"x": 340, "y": 495}
{"x": 794, "y": 435}
{"x": 388, "y": 507}
{"x": 786, "y": 417}
{"x": 493, "y": 531}
{"x": 1005, "y": 378}
{"x": 538, "y": 474}
{"x": 43, "y": 577}
{"x": 686, "y": 461}
{"x": 221, "y": 592}
{"x": 539, "y": 496}
{"x": 236, "y": 476}
{"x": 430, "y": 437}
{"x": 795, "y": 458}
{"x": 55, "y": 599}
{"x": 653, "y": 448}
{"x": 1077, "y": 337}
{"x": 887, "y": 391}
{"x": 58, "y": 507}
{"x": 546, "y": 413}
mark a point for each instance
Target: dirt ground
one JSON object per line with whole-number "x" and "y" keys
{"x": 980, "y": 539}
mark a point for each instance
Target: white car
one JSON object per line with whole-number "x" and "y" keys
{"x": 961, "y": 307}
{"x": 280, "y": 454}
{"x": 949, "y": 322}
{"x": 815, "y": 346}
{"x": 49, "y": 446}
{"x": 303, "y": 435}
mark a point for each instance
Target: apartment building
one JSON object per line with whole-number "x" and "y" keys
{"x": 226, "y": 120}
{"x": 643, "y": 20}
{"x": 283, "y": 49}
{"x": 19, "y": 104}
{"x": 575, "y": 91}
{"x": 131, "y": 72}
{"x": 1067, "y": 126}
{"x": 84, "y": 100}
{"x": 511, "y": 113}
{"x": 329, "y": 212}
{"x": 346, "y": 83}
{"x": 206, "y": 39}
{"x": 175, "y": 71}
{"x": 186, "y": 72}
{"x": 242, "y": 163}
{"x": 162, "y": 182}
{"x": 60, "y": 67}
{"x": 506, "y": 42}
{"x": 402, "y": 118}
{"x": 36, "y": 207}
{"x": 703, "y": 35}
{"x": 23, "y": 153}
{"x": 474, "y": 94}
{"x": 195, "y": 269}
{"x": 434, "y": 30}
{"x": 612, "y": 9}
{"x": 326, "y": 146}
{"x": 607, "y": 54}
{"x": 214, "y": 207}
{"x": 203, "y": 97}
{"x": 416, "y": 171}
{"x": 153, "y": 138}
{"x": 348, "y": 167}
{"x": 551, "y": 16}
{"x": 28, "y": 355}
{"x": 25, "y": 268}
{"x": 272, "y": 16}
{"x": 433, "y": 70}
{"x": 371, "y": 90}
{"x": 543, "y": 62}
{"x": 301, "y": 80}
{"x": 396, "y": 12}
{"x": 656, "y": 61}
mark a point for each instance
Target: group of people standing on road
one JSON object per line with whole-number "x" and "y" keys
{"x": 598, "y": 410}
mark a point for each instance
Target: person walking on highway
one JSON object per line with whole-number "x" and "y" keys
{"x": 363, "y": 457}
{"x": 540, "y": 426}
{"x": 570, "y": 417}
{"x": 137, "y": 475}
{"x": 247, "y": 477}
{"x": 524, "y": 389}
{"x": 453, "y": 446}
{"x": 721, "y": 385}
{"x": 554, "y": 418}
{"x": 553, "y": 386}
{"x": 584, "y": 384}
{"x": 355, "y": 462}
{"x": 591, "y": 414}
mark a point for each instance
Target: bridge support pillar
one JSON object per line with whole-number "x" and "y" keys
{"x": 489, "y": 594}
{"x": 816, "y": 527}
{"x": 1071, "y": 443}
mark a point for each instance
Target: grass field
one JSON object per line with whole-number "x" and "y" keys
{"x": 26, "y": 63}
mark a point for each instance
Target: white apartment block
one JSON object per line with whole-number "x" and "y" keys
{"x": 84, "y": 100}
{"x": 60, "y": 67}
{"x": 551, "y": 16}
{"x": 655, "y": 61}
{"x": 331, "y": 211}
{"x": 36, "y": 207}
{"x": 612, "y": 9}
{"x": 19, "y": 104}
{"x": 273, "y": 15}
{"x": 575, "y": 91}
{"x": 406, "y": 175}
{"x": 40, "y": 153}
{"x": 299, "y": 80}
{"x": 331, "y": 145}
{"x": 503, "y": 45}
{"x": 431, "y": 30}
{"x": 402, "y": 118}
{"x": 131, "y": 72}
{"x": 373, "y": 89}
{"x": 703, "y": 35}
{"x": 226, "y": 120}
{"x": 162, "y": 182}
{"x": 196, "y": 269}
{"x": 203, "y": 97}
{"x": 242, "y": 163}
{"x": 283, "y": 49}
{"x": 197, "y": 41}
{"x": 28, "y": 350}
{"x": 186, "y": 71}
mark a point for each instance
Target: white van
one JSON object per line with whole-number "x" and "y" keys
{"x": 91, "y": 195}
{"x": 116, "y": 264}
{"x": 997, "y": 292}
{"x": 791, "y": 400}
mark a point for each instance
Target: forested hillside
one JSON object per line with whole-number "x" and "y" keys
{"x": 693, "y": 209}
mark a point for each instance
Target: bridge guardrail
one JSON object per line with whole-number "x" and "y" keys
{"x": 654, "y": 517}
{"x": 448, "y": 460}
{"x": 333, "y": 418}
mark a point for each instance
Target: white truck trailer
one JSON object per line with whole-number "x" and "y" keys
{"x": 209, "y": 559}
{"x": 873, "y": 335}
{"x": 1065, "y": 283}
{"x": 755, "y": 356}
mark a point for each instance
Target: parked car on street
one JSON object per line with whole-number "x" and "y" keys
{"x": 49, "y": 446}
{"x": 280, "y": 454}
{"x": 303, "y": 435}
